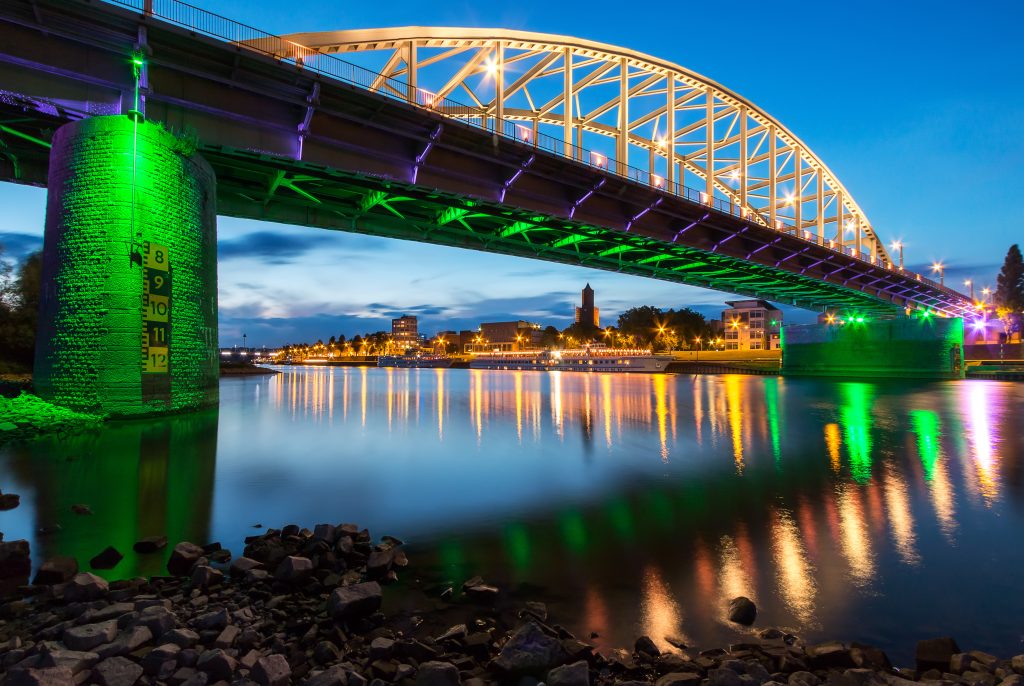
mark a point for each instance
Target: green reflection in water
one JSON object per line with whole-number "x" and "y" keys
{"x": 771, "y": 398}
{"x": 517, "y": 546}
{"x": 621, "y": 518}
{"x": 140, "y": 478}
{"x": 453, "y": 558}
{"x": 926, "y": 426}
{"x": 855, "y": 418}
{"x": 574, "y": 531}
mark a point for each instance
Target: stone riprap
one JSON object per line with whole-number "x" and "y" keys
{"x": 304, "y": 607}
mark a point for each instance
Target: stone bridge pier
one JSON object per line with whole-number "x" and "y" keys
{"x": 128, "y": 317}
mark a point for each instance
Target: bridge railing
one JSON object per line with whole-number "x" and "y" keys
{"x": 213, "y": 25}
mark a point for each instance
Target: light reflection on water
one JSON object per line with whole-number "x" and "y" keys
{"x": 638, "y": 504}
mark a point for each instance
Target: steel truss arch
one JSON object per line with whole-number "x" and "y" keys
{"x": 612, "y": 107}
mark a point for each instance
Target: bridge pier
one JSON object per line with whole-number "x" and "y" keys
{"x": 901, "y": 347}
{"x": 128, "y": 316}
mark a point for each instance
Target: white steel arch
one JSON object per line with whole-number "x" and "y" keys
{"x": 616, "y": 108}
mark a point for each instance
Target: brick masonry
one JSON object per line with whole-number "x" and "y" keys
{"x": 114, "y": 186}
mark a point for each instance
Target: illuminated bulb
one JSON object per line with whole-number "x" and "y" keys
{"x": 492, "y": 67}
{"x": 790, "y": 197}
{"x": 850, "y": 225}
{"x": 734, "y": 175}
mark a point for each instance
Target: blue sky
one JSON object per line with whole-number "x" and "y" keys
{"x": 916, "y": 106}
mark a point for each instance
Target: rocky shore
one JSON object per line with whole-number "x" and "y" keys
{"x": 305, "y": 606}
{"x": 27, "y": 416}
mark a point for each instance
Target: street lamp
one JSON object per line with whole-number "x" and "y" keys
{"x": 970, "y": 284}
{"x": 898, "y": 245}
{"x": 938, "y": 267}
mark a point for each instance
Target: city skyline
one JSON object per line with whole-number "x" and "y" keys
{"x": 903, "y": 155}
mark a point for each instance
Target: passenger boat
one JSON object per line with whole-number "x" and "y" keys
{"x": 429, "y": 361}
{"x": 585, "y": 360}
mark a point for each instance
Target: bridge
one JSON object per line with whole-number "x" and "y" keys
{"x": 563, "y": 149}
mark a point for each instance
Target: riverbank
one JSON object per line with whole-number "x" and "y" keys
{"x": 27, "y": 416}
{"x": 328, "y": 607}
{"x": 246, "y": 370}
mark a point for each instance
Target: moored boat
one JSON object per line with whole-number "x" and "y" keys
{"x": 583, "y": 360}
{"x": 409, "y": 361}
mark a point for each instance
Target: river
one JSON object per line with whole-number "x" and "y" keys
{"x": 637, "y": 504}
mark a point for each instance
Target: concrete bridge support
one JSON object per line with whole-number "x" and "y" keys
{"x": 856, "y": 347}
{"x": 128, "y": 319}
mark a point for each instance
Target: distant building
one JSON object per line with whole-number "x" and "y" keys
{"x": 507, "y": 336}
{"x": 587, "y": 313}
{"x": 404, "y": 334}
{"x": 752, "y": 325}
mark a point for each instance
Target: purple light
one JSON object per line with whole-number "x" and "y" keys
{"x": 979, "y": 324}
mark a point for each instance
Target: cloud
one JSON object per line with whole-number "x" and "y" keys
{"x": 18, "y": 245}
{"x": 272, "y": 246}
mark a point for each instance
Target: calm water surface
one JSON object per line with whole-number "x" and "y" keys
{"x": 632, "y": 504}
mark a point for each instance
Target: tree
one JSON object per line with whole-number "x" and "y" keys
{"x": 19, "y": 311}
{"x": 1009, "y": 297}
{"x": 549, "y": 337}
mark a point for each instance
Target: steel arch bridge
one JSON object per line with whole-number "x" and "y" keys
{"x": 570, "y": 151}
{"x": 611, "y": 107}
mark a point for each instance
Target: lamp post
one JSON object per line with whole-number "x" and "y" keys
{"x": 898, "y": 245}
{"x": 969, "y": 283}
{"x": 938, "y": 267}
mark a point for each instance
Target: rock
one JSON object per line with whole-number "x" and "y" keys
{"x": 332, "y": 676}
{"x": 935, "y": 653}
{"x": 436, "y": 673}
{"x": 831, "y": 655}
{"x": 576, "y": 674}
{"x": 679, "y": 679}
{"x": 85, "y": 586}
{"x": 15, "y": 565}
{"x": 1017, "y": 662}
{"x": 117, "y": 671}
{"x": 325, "y": 532}
{"x": 742, "y": 611}
{"x": 960, "y": 663}
{"x": 242, "y": 565}
{"x": 46, "y": 676}
{"x": 75, "y": 660}
{"x": 217, "y": 664}
{"x": 56, "y": 570}
{"x": 272, "y": 670}
{"x": 477, "y": 590}
{"x": 803, "y": 678}
{"x": 158, "y": 619}
{"x": 537, "y": 609}
{"x": 294, "y": 569}
{"x": 381, "y": 648}
{"x": 723, "y": 677}
{"x": 1012, "y": 680}
{"x": 646, "y": 646}
{"x": 108, "y": 559}
{"x": 183, "y": 638}
{"x": 155, "y": 660}
{"x": 204, "y": 576}
{"x": 227, "y": 637}
{"x": 129, "y": 641}
{"x": 356, "y": 600}
{"x": 89, "y": 636}
{"x": 150, "y": 544}
{"x": 218, "y": 619}
{"x": 325, "y": 653}
{"x": 182, "y": 558}
{"x": 379, "y": 562}
{"x": 81, "y": 509}
{"x": 530, "y": 651}
{"x": 9, "y": 501}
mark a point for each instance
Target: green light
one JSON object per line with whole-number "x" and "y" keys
{"x": 860, "y": 320}
{"x": 138, "y": 61}
{"x": 855, "y": 420}
{"x": 926, "y": 314}
{"x": 926, "y": 426}
{"x": 775, "y": 322}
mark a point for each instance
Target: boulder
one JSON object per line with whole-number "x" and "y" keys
{"x": 356, "y": 600}
{"x": 742, "y": 610}
{"x": 218, "y": 664}
{"x": 645, "y": 646}
{"x": 117, "y": 671}
{"x": 325, "y": 532}
{"x": 530, "y": 651}
{"x": 242, "y": 565}
{"x": 576, "y": 674}
{"x": 272, "y": 670}
{"x": 129, "y": 641}
{"x": 204, "y": 576}
{"x": 332, "y": 676}
{"x": 158, "y": 619}
{"x": 935, "y": 653}
{"x": 723, "y": 677}
{"x": 150, "y": 544}
{"x": 436, "y": 673}
{"x": 56, "y": 570}
{"x": 183, "y": 638}
{"x": 1018, "y": 663}
{"x": 75, "y": 660}
{"x": 88, "y": 636}
{"x": 85, "y": 586}
{"x": 831, "y": 655}
{"x": 108, "y": 559}
{"x": 679, "y": 679}
{"x": 182, "y": 558}
{"x": 45, "y": 676}
{"x": 294, "y": 569}
{"x": 9, "y": 501}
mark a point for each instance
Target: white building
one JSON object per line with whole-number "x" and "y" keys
{"x": 752, "y": 325}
